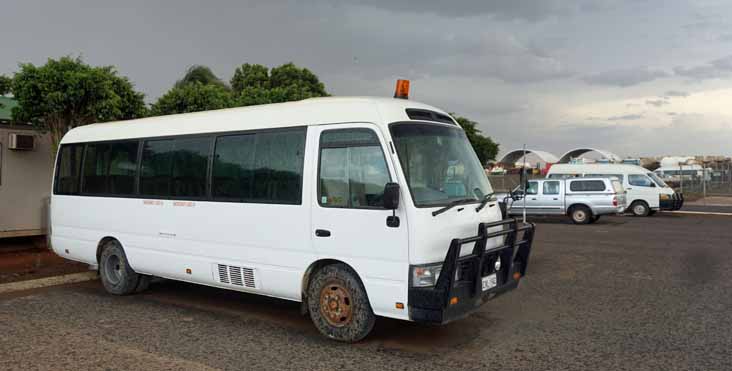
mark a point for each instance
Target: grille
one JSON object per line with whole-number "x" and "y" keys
{"x": 237, "y": 276}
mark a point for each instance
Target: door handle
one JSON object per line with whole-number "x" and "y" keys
{"x": 322, "y": 233}
{"x": 533, "y": 198}
{"x": 555, "y": 199}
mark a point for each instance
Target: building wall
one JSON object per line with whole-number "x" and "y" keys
{"x": 25, "y": 184}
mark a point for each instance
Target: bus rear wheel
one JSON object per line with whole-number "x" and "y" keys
{"x": 118, "y": 278}
{"x": 338, "y": 304}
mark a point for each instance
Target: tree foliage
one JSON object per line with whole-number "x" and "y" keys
{"x": 484, "y": 147}
{"x": 66, "y": 93}
{"x": 202, "y": 74}
{"x": 255, "y": 84}
{"x": 5, "y": 83}
{"x": 193, "y": 97}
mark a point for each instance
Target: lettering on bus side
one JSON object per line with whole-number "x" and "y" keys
{"x": 153, "y": 202}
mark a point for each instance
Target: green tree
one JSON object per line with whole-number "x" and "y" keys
{"x": 255, "y": 84}
{"x": 66, "y": 93}
{"x": 193, "y": 97}
{"x": 5, "y": 83}
{"x": 250, "y": 76}
{"x": 202, "y": 74}
{"x": 484, "y": 147}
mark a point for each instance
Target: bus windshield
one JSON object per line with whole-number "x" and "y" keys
{"x": 439, "y": 164}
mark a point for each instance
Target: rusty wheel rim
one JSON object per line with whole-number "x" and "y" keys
{"x": 335, "y": 304}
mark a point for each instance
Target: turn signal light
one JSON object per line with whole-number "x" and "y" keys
{"x": 399, "y": 305}
{"x": 516, "y": 275}
{"x": 402, "y": 89}
{"x": 453, "y": 300}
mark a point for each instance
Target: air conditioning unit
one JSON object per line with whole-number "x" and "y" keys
{"x": 22, "y": 142}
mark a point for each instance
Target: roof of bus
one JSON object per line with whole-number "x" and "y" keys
{"x": 314, "y": 111}
{"x": 583, "y": 168}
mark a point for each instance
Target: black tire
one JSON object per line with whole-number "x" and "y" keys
{"x": 639, "y": 208}
{"x": 118, "y": 278}
{"x": 580, "y": 214}
{"x": 338, "y": 304}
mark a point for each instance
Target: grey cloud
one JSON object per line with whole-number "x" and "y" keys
{"x": 676, "y": 93}
{"x": 634, "y": 116}
{"x": 657, "y": 102}
{"x": 625, "y": 77}
{"x": 715, "y": 69}
{"x": 530, "y": 10}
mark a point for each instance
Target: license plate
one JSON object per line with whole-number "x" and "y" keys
{"x": 489, "y": 282}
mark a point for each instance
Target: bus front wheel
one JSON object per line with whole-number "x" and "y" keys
{"x": 117, "y": 276}
{"x": 338, "y": 304}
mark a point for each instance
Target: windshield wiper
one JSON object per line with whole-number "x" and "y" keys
{"x": 487, "y": 198}
{"x": 451, "y": 205}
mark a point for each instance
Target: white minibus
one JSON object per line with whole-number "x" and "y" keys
{"x": 646, "y": 192}
{"x": 355, "y": 207}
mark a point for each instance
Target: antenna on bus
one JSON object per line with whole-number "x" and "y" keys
{"x": 402, "y": 89}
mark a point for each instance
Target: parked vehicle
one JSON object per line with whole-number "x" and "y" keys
{"x": 646, "y": 192}
{"x": 355, "y": 207}
{"x": 584, "y": 200}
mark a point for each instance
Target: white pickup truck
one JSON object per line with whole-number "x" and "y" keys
{"x": 584, "y": 200}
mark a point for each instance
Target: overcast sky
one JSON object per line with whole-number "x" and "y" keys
{"x": 636, "y": 77}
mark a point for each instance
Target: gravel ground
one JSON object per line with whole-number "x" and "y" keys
{"x": 623, "y": 294}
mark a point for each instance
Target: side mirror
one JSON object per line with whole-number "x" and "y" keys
{"x": 391, "y": 196}
{"x": 517, "y": 194}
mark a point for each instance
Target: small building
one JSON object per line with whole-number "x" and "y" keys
{"x": 26, "y": 164}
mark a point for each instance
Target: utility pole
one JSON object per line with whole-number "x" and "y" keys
{"x": 681, "y": 178}
{"x": 526, "y": 182}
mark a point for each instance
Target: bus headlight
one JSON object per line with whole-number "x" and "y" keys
{"x": 426, "y": 275}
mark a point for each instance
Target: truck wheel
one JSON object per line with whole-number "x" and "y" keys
{"x": 580, "y": 215}
{"x": 338, "y": 304}
{"x": 118, "y": 278}
{"x": 639, "y": 208}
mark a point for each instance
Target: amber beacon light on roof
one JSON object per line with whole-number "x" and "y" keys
{"x": 402, "y": 89}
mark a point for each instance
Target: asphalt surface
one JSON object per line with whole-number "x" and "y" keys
{"x": 708, "y": 208}
{"x": 623, "y": 294}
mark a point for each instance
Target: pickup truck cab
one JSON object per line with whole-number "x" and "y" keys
{"x": 584, "y": 200}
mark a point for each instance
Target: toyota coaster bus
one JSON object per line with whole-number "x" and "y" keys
{"x": 355, "y": 207}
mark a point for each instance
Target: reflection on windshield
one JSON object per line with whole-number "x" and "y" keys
{"x": 439, "y": 164}
{"x": 658, "y": 180}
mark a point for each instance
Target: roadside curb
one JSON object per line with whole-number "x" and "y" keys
{"x": 48, "y": 281}
{"x": 699, "y": 212}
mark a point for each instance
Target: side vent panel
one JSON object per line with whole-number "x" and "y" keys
{"x": 236, "y": 276}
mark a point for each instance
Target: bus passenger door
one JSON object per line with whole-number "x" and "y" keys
{"x": 349, "y": 222}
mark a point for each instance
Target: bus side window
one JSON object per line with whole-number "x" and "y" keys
{"x": 175, "y": 167}
{"x": 259, "y": 167}
{"x": 68, "y": 169}
{"x": 352, "y": 171}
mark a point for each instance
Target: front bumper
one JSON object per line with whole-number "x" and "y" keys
{"x": 674, "y": 203}
{"x": 458, "y": 291}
